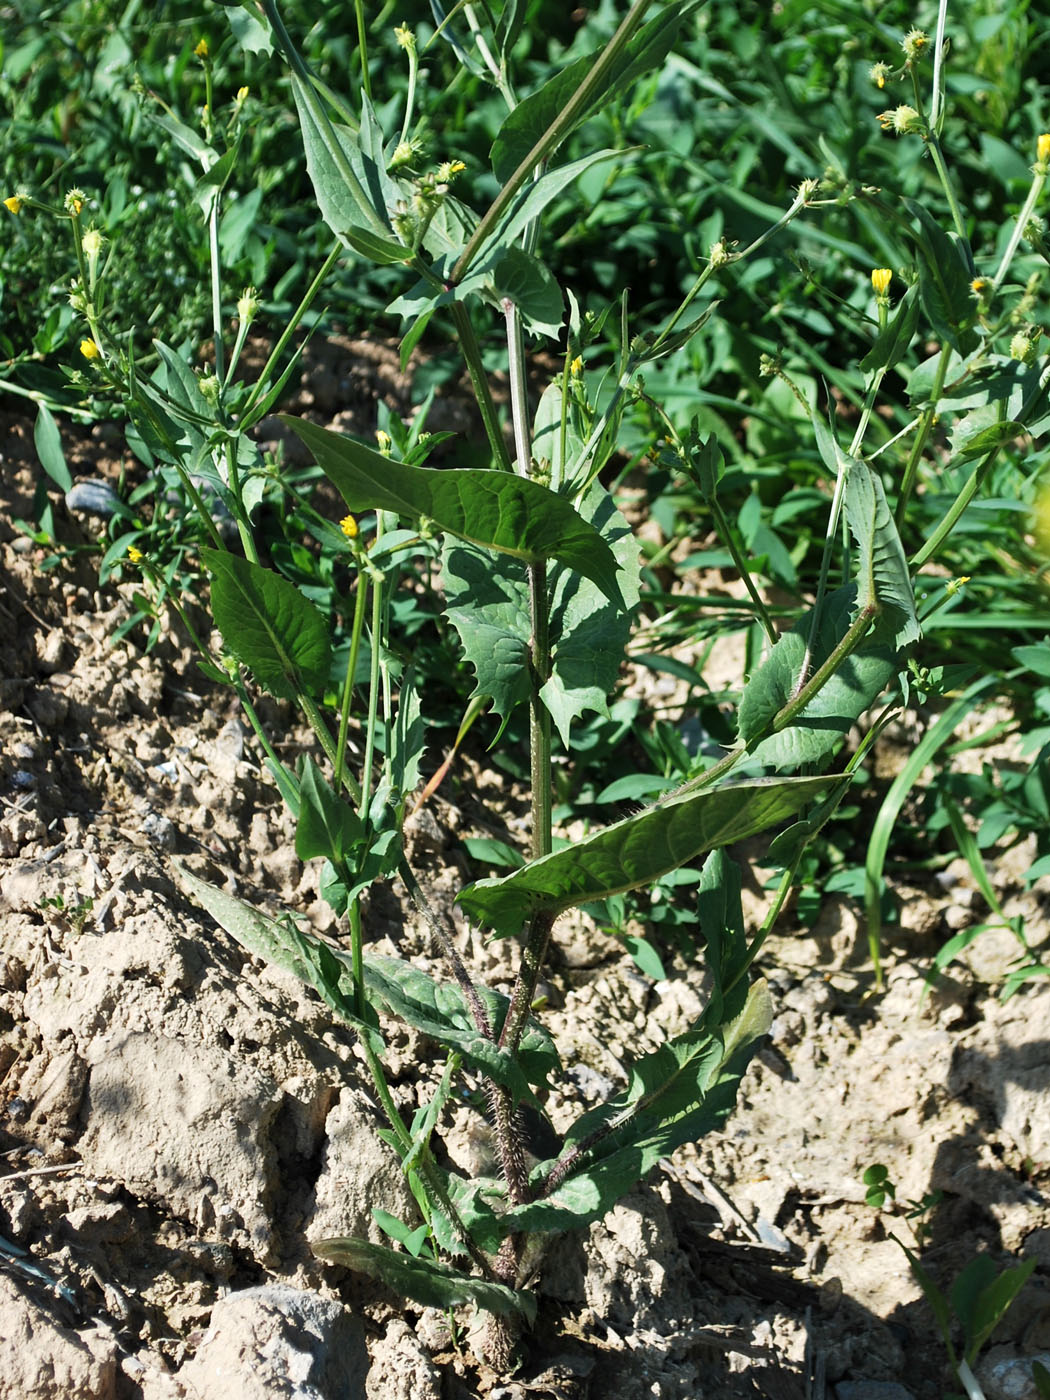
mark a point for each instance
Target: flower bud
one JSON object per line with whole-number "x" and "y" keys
{"x": 74, "y": 201}
{"x": 900, "y": 120}
{"x": 878, "y": 73}
{"x": 881, "y": 277}
{"x": 348, "y": 525}
{"x": 14, "y": 202}
{"x": 89, "y": 350}
{"x": 914, "y": 44}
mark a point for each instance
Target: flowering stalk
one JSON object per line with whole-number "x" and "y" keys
{"x": 1039, "y": 174}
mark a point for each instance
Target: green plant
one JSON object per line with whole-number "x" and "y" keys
{"x": 540, "y": 578}
{"x": 979, "y": 1296}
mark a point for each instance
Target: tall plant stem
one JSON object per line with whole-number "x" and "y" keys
{"x": 926, "y": 422}
{"x": 468, "y": 343}
{"x": 572, "y": 113}
{"x": 362, "y": 48}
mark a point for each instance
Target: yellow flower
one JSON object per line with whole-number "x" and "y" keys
{"x": 74, "y": 201}
{"x": 383, "y": 439}
{"x": 135, "y": 555}
{"x": 405, "y": 37}
{"x": 979, "y": 286}
{"x": 900, "y": 120}
{"x": 14, "y": 202}
{"x": 1042, "y": 148}
{"x": 242, "y": 95}
{"x": 348, "y": 525}
{"x": 202, "y": 49}
{"x": 448, "y": 170}
{"x": 914, "y": 42}
{"x": 89, "y": 350}
{"x": 881, "y": 277}
{"x": 878, "y": 73}
{"x": 576, "y": 368}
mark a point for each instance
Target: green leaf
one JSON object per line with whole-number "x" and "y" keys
{"x": 332, "y": 149}
{"x": 500, "y": 510}
{"x": 328, "y": 826}
{"x": 986, "y": 1310}
{"x": 48, "y": 444}
{"x": 945, "y": 273}
{"x": 521, "y": 278}
{"x": 413, "y": 1240}
{"x": 638, "y": 850}
{"x": 282, "y": 943}
{"x": 892, "y": 342}
{"x": 815, "y": 734}
{"x": 252, "y": 36}
{"x": 439, "y": 1010}
{"x": 645, "y": 956}
{"x": 1041, "y": 1376}
{"x": 432, "y": 1285}
{"x": 676, "y": 1094}
{"x": 535, "y": 114}
{"x": 382, "y": 251}
{"x": 489, "y": 608}
{"x": 882, "y": 570}
{"x": 547, "y": 435}
{"x": 269, "y": 626}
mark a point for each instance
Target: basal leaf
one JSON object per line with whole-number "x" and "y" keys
{"x": 268, "y": 625}
{"x": 815, "y": 734}
{"x": 433, "y": 1285}
{"x": 882, "y": 570}
{"x": 500, "y": 510}
{"x": 282, "y": 943}
{"x": 678, "y": 1093}
{"x": 637, "y": 850}
{"x": 438, "y": 1010}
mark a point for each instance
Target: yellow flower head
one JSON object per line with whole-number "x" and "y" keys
{"x": 881, "y": 277}
{"x": 202, "y": 48}
{"x": 135, "y": 555}
{"x": 89, "y": 350}
{"x": 878, "y": 73}
{"x": 74, "y": 201}
{"x": 383, "y": 440}
{"x": 405, "y": 37}
{"x": 14, "y": 202}
{"x": 576, "y": 368}
{"x": 242, "y": 95}
{"x": 900, "y": 120}
{"x": 348, "y": 525}
{"x": 448, "y": 170}
{"x": 914, "y": 43}
{"x": 980, "y": 286}
{"x": 1042, "y": 148}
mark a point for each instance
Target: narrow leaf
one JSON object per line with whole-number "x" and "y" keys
{"x": 268, "y": 625}
{"x": 432, "y": 1285}
{"x": 883, "y": 580}
{"x": 678, "y": 1093}
{"x": 48, "y": 444}
{"x": 500, "y": 510}
{"x": 638, "y": 850}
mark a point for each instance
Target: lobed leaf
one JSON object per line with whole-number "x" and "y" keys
{"x": 638, "y": 850}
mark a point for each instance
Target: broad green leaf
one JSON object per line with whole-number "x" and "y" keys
{"x": 332, "y": 149}
{"x": 268, "y": 625}
{"x": 882, "y": 570}
{"x": 637, "y": 850}
{"x": 521, "y": 278}
{"x": 980, "y": 441}
{"x": 439, "y": 1010}
{"x": 500, "y": 510}
{"x": 487, "y": 603}
{"x": 535, "y": 114}
{"x": 815, "y": 734}
{"x": 678, "y": 1093}
{"x": 282, "y": 943}
{"x": 432, "y": 1285}
{"x": 382, "y": 251}
{"x": 252, "y": 36}
{"x": 945, "y": 273}
{"x": 489, "y": 607}
{"x": 721, "y": 915}
{"x": 328, "y": 826}
{"x": 893, "y": 341}
{"x": 48, "y": 444}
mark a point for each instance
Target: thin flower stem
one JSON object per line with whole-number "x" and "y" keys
{"x": 1038, "y": 181}
{"x": 926, "y": 422}
{"x": 362, "y": 49}
{"x": 356, "y": 629}
{"x": 937, "y": 109}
